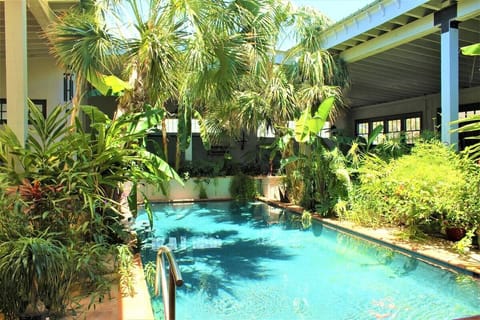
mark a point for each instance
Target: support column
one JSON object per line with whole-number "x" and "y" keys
{"x": 16, "y": 67}
{"x": 449, "y": 79}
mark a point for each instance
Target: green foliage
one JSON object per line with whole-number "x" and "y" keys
{"x": 60, "y": 215}
{"x": 35, "y": 268}
{"x": 125, "y": 270}
{"x": 202, "y": 191}
{"x": 242, "y": 188}
{"x": 471, "y": 50}
{"x": 431, "y": 187}
{"x": 317, "y": 178}
{"x": 471, "y": 124}
{"x": 307, "y": 126}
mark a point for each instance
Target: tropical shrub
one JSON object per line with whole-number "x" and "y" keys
{"x": 60, "y": 213}
{"x": 316, "y": 176}
{"x": 242, "y": 188}
{"x": 430, "y": 188}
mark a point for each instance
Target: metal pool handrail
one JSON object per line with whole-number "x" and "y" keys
{"x": 175, "y": 279}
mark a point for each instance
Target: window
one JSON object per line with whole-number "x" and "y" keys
{"x": 406, "y": 126}
{"x": 40, "y": 103}
{"x": 412, "y": 129}
{"x": 362, "y": 129}
{"x": 394, "y": 128}
{"x": 3, "y": 111}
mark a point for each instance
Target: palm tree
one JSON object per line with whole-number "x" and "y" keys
{"x": 82, "y": 44}
{"x": 278, "y": 91}
{"x": 233, "y": 40}
{"x": 189, "y": 51}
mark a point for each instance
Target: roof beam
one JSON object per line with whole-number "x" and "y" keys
{"x": 394, "y": 38}
{"x": 42, "y": 12}
{"x": 414, "y": 30}
{"x": 368, "y": 18}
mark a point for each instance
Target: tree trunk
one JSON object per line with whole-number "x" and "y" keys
{"x": 165, "y": 139}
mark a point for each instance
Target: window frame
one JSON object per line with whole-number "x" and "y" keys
{"x": 385, "y": 119}
{"x": 41, "y": 103}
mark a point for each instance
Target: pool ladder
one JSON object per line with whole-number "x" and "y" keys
{"x": 174, "y": 280}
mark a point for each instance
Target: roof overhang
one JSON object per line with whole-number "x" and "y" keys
{"x": 392, "y": 48}
{"x": 40, "y": 14}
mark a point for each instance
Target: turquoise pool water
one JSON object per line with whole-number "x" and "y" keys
{"x": 255, "y": 262}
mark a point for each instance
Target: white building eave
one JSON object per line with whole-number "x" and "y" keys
{"x": 409, "y": 32}
{"x": 373, "y": 15}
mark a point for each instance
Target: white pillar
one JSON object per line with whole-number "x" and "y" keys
{"x": 16, "y": 67}
{"x": 449, "y": 82}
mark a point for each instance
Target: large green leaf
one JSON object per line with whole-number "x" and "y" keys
{"x": 471, "y": 50}
{"x": 108, "y": 85}
{"x": 316, "y": 124}
{"x": 301, "y": 126}
{"x": 307, "y": 126}
{"x": 94, "y": 114}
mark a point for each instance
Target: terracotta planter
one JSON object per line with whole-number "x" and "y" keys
{"x": 455, "y": 233}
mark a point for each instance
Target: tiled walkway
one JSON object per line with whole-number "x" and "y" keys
{"x": 117, "y": 307}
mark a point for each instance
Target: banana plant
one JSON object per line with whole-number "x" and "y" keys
{"x": 471, "y": 50}
{"x": 316, "y": 172}
{"x": 471, "y": 123}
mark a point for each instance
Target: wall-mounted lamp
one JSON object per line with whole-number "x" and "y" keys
{"x": 67, "y": 86}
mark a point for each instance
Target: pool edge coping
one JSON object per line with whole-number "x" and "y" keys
{"x": 463, "y": 268}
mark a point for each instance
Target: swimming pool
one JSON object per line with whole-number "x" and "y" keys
{"x": 254, "y": 261}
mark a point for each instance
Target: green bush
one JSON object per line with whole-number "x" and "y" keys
{"x": 430, "y": 188}
{"x": 60, "y": 212}
{"x": 242, "y": 188}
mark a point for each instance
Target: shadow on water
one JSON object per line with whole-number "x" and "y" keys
{"x": 239, "y": 260}
{"x": 239, "y": 213}
{"x": 213, "y": 262}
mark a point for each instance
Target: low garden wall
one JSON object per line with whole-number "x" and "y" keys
{"x": 212, "y": 188}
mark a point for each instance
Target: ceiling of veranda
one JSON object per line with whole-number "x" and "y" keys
{"x": 37, "y": 44}
{"x": 411, "y": 69}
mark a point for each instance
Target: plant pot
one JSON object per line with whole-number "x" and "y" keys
{"x": 455, "y": 233}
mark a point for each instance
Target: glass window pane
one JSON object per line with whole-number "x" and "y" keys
{"x": 394, "y": 128}
{"x": 362, "y": 129}
{"x": 380, "y": 137}
{"x": 412, "y": 129}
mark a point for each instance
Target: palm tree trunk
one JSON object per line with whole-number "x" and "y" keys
{"x": 178, "y": 154}
{"x": 165, "y": 138}
{"x": 77, "y": 99}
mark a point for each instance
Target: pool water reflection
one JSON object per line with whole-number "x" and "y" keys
{"x": 254, "y": 261}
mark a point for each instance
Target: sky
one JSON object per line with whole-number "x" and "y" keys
{"x": 335, "y": 9}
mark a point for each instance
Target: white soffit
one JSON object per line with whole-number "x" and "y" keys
{"x": 404, "y": 34}
{"x": 375, "y": 14}
{"x": 387, "y": 24}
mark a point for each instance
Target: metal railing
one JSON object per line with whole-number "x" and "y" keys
{"x": 174, "y": 280}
